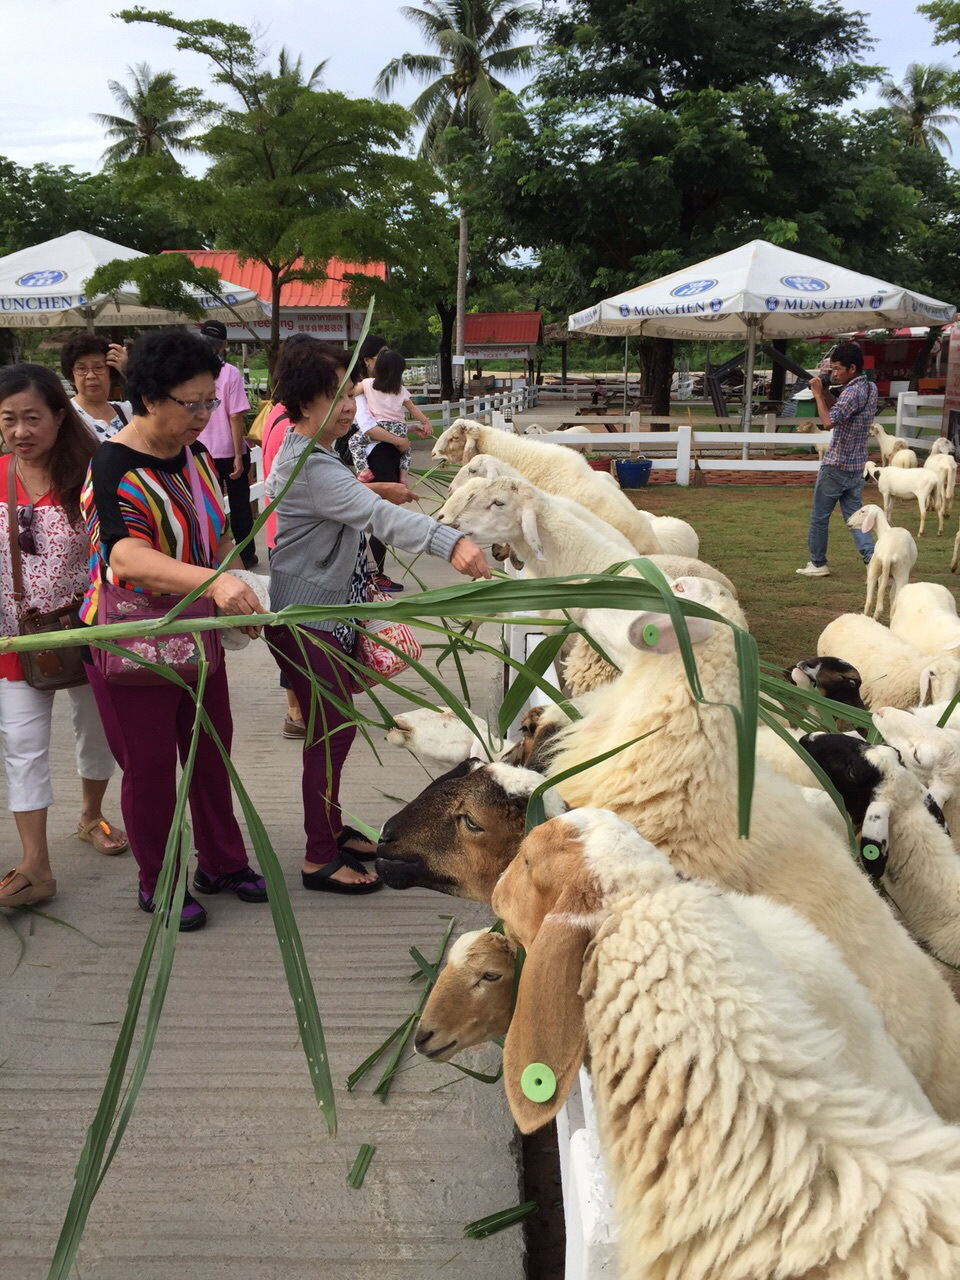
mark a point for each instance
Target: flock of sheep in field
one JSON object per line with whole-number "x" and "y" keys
{"x": 769, "y": 1022}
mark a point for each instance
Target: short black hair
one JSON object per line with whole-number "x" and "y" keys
{"x": 84, "y": 344}
{"x": 370, "y": 346}
{"x": 307, "y": 375}
{"x": 388, "y": 372}
{"x": 163, "y": 360}
{"x": 849, "y": 354}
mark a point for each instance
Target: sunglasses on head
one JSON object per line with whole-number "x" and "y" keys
{"x": 25, "y": 540}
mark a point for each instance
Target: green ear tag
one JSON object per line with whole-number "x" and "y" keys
{"x": 870, "y": 852}
{"x": 538, "y": 1082}
{"x": 651, "y": 634}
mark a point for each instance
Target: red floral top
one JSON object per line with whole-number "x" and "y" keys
{"x": 57, "y": 574}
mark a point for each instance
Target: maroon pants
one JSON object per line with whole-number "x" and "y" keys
{"x": 333, "y": 733}
{"x": 147, "y": 727}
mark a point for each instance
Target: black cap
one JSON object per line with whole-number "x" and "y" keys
{"x": 214, "y": 329}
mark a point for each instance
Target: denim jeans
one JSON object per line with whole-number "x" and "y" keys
{"x": 835, "y": 485}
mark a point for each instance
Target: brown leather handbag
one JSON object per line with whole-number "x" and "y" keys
{"x": 43, "y": 669}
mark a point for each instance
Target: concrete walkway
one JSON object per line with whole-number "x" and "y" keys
{"x": 226, "y": 1171}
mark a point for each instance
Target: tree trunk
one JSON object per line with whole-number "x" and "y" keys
{"x": 460, "y": 370}
{"x": 563, "y": 364}
{"x": 447, "y": 316}
{"x": 661, "y": 376}
{"x": 778, "y": 377}
{"x": 273, "y": 346}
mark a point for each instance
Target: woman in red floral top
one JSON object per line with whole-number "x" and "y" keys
{"x": 49, "y": 449}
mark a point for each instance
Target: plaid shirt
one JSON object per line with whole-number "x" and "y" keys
{"x": 851, "y": 416}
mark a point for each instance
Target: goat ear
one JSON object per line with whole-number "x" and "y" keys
{"x": 654, "y": 632}
{"x": 547, "y": 1028}
{"x": 926, "y": 683}
{"x": 875, "y": 837}
{"x": 528, "y": 526}
{"x": 869, "y": 520}
{"x": 472, "y": 433}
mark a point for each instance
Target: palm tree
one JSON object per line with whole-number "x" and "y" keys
{"x": 473, "y": 40}
{"x": 160, "y": 116}
{"x": 917, "y": 103}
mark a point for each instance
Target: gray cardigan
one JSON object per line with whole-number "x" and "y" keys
{"x": 319, "y": 523}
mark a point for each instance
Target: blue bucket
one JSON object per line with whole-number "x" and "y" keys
{"x": 633, "y": 474}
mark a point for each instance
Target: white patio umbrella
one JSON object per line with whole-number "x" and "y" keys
{"x": 42, "y": 288}
{"x": 759, "y": 291}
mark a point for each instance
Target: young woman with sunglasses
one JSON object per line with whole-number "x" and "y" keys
{"x": 145, "y": 532}
{"x": 48, "y": 449}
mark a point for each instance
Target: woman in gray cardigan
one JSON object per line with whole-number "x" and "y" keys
{"x": 318, "y": 559}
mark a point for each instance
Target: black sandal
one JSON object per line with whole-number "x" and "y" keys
{"x": 321, "y": 879}
{"x": 350, "y": 834}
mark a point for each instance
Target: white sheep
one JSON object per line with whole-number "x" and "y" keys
{"x": 945, "y": 469}
{"x": 676, "y": 537}
{"x": 671, "y": 769}
{"x": 440, "y": 739}
{"x": 893, "y": 672}
{"x": 750, "y": 1132}
{"x": 931, "y": 752}
{"x": 871, "y": 471}
{"x": 553, "y": 468}
{"x": 894, "y": 555}
{"x": 955, "y": 557}
{"x": 942, "y": 446}
{"x": 901, "y": 456}
{"x": 917, "y": 485}
{"x": 926, "y": 617}
{"x": 885, "y": 441}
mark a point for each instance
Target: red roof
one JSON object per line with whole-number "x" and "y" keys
{"x": 253, "y": 275}
{"x": 506, "y": 328}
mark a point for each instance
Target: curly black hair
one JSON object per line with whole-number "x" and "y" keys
{"x": 163, "y": 360}
{"x": 310, "y": 374}
{"x": 84, "y": 344}
{"x": 849, "y": 354}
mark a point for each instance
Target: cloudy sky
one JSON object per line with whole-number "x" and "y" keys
{"x": 57, "y": 75}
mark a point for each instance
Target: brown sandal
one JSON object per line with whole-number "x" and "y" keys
{"x": 98, "y": 832}
{"x": 36, "y": 890}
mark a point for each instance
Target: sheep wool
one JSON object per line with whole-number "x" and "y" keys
{"x": 893, "y": 673}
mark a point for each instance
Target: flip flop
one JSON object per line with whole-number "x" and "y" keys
{"x": 98, "y": 832}
{"x": 350, "y": 834}
{"x": 37, "y": 890}
{"x": 321, "y": 879}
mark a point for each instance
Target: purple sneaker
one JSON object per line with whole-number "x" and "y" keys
{"x": 248, "y": 885}
{"x": 192, "y": 915}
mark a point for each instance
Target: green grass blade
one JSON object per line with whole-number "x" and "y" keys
{"x": 360, "y": 1166}
{"x": 489, "y": 1226}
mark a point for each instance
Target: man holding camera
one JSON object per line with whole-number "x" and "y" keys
{"x": 840, "y": 478}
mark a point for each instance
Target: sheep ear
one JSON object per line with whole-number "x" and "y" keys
{"x": 954, "y": 644}
{"x": 547, "y": 1029}
{"x": 926, "y": 683}
{"x": 654, "y": 632}
{"x": 875, "y": 838}
{"x": 528, "y": 527}
{"x": 472, "y": 433}
{"x": 869, "y": 520}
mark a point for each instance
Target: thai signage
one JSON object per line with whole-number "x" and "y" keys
{"x": 331, "y": 326}
{"x": 479, "y": 352}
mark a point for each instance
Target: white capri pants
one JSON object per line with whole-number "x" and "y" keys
{"x": 25, "y": 726}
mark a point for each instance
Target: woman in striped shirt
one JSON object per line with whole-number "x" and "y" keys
{"x": 145, "y": 534}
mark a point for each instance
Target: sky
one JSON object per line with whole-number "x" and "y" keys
{"x": 45, "y": 109}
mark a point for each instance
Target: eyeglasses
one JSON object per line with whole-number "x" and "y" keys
{"x": 196, "y": 407}
{"x": 25, "y": 540}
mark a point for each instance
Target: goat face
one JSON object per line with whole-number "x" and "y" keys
{"x": 458, "y": 443}
{"x": 460, "y": 832}
{"x": 471, "y": 1001}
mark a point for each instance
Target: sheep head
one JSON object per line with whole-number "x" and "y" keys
{"x": 484, "y": 466}
{"x": 927, "y": 750}
{"x": 461, "y": 831}
{"x": 940, "y": 679}
{"x": 471, "y": 1001}
{"x": 502, "y": 510}
{"x": 458, "y": 443}
{"x": 865, "y": 518}
{"x": 440, "y": 737}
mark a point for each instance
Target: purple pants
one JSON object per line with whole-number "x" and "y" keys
{"x": 147, "y": 727}
{"x": 333, "y": 734}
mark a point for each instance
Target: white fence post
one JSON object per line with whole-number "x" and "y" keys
{"x": 685, "y": 432}
{"x": 899, "y": 429}
{"x": 445, "y": 412}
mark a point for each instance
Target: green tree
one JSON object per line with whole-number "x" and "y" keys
{"x": 297, "y": 176}
{"x": 159, "y": 116}
{"x": 917, "y": 104}
{"x": 472, "y": 43}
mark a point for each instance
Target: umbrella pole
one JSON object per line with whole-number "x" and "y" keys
{"x": 626, "y": 351}
{"x": 748, "y": 380}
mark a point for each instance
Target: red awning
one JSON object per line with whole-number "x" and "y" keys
{"x": 510, "y": 328}
{"x": 330, "y": 292}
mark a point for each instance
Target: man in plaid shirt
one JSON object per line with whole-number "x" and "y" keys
{"x": 840, "y": 478}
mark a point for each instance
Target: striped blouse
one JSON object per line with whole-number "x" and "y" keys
{"x": 129, "y": 494}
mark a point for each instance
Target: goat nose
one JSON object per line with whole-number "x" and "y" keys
{"x": 420, "y": 1039}
{"x": 387, "y": 833}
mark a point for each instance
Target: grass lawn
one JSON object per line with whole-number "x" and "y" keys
{"x": 758, "y": 536}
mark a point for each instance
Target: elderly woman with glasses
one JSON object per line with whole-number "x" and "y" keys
{"x": 147, "y": 535}
{"x": 41, "y": 475}
{"x": 92, "y": 363}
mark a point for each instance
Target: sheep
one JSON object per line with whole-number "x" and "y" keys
{"x": 440, "y": 739}
{"x": 831, "y": 677}
{"x": 471, "y": 1000}
{"x": 871, "y": 471}
{"x": 676, "y": 780}
{"x": 749, "y": 1128}
{"x": 553, "y": 468}
{"x": 893, "y": 673}
{"x": 931, "y": 752}
{"x": 945, "y": 469}
{"x": 885, "y": 441}
{"x": 584, "y": 669}
{"x": 941, "y": 446}
{"x": 919, "y": 485}
{"x": 901, "y": 456}
{"x": 894, "y": 555}
{"x": 782, "y": 759}
{"x": 926, "y": 617}
{"x": 911, "y": 851}
{"x": 676, "y": 537}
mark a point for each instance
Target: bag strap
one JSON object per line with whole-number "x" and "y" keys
{"x": 14, "y": 531}
{"x": 115, "y": 406}
{"x": 199, "y": 503}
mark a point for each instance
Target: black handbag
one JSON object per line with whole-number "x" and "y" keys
{"x": 43, "y": 669}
